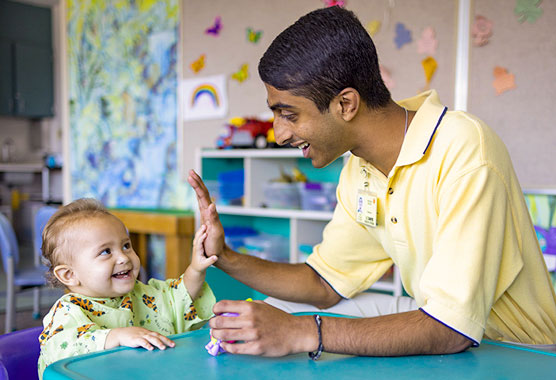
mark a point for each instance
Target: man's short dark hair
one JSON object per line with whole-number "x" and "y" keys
{"x": 322, "y": 53}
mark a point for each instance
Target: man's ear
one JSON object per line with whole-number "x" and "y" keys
{"x": 65, "y": 275}
{"x": 348, "y": 103}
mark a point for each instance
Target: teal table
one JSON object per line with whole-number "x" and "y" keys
{"x": 189, "y": 359}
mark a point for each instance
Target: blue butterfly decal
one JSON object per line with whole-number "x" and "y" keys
{"x": 403, "y": 35}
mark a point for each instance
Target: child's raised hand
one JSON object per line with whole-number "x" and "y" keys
{"x": 137, "y": 337}
{"x": 199, "y": 261}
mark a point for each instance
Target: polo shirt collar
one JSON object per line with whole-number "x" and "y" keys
{"x": 423, "y": 126}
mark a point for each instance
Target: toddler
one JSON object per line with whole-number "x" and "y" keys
{"x": 90, "y": 254}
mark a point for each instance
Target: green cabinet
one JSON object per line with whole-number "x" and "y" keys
{"x": 26, "y": 66}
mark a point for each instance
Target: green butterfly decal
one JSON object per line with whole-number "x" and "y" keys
{"x": 528, "y": 10}
{"x": 254, "y": 35}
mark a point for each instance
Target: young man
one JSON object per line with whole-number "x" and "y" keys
{"x": 430, "y": 190}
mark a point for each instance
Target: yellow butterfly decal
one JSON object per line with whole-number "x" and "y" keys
{"x": 199, "y": 64}
{"x": 373, "y": 27}
{"x": 254, "y": 35}
{"x": 242, "y": 74}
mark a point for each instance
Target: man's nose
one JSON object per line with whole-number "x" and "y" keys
{"x": 282, "y": 134}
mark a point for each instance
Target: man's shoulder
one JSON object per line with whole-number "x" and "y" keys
{"x": 463, "y": 132}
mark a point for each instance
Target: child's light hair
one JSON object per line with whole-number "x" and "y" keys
{"x": 53, "y": 233}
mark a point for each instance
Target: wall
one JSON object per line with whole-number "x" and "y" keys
{"x": 227, "y": 52}
{"x": 523, "y": 117}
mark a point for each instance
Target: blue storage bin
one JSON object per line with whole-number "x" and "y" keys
{"x": 236, "y": 235}
{"x": 230, "y": 187}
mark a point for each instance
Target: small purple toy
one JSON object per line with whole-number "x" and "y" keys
{"x": 213, "y": 347}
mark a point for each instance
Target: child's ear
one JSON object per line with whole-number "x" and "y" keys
{"x": 348, "y": 103}
{"x": 65, "y": 275}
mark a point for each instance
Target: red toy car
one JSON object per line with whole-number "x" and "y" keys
{"x": 246, "y": 133}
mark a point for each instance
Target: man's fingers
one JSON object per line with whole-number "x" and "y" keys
{"x": 203, "y": 196}
{"x": 229, "y": 306}
{"x": 221, "y": 322}
{"x": 213, "y": 215}
{"x": 244, "y": 348}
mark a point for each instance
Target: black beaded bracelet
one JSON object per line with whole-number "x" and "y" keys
{"x": 315, "y": 355}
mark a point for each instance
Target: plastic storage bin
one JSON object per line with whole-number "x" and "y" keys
{"x": 318, "y": 196}
{"x": 235, "y": 237}
{"x": 214, "y": 190}
{"x": 281, "y": 195}
{"x": 268, "y": 247}
{"x": 230, "y": 187}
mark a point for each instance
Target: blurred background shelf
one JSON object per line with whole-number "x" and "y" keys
{"x": 297, "y": 229}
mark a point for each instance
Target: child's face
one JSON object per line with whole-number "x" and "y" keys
{"x": 102, "y": 260}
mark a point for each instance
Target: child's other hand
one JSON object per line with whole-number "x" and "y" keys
{"x": 199, "y": 261}
{"x": 137, "y": 337}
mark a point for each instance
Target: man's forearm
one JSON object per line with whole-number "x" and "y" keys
{"x": 411, "y": 333}
{"x": 290, "y": 282}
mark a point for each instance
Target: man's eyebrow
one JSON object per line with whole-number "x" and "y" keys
{"x": 279, "y": 106}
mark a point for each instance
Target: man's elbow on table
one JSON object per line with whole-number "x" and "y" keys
{"x": 444, "y": 340}
{"x": 326, "y": 296}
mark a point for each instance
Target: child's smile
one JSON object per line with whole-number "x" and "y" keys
{"x": 103, "y": 262}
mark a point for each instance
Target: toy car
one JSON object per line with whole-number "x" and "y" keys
{"x": 246, "y": 133}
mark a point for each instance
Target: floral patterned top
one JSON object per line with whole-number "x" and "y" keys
{"x": 78, "y": 324}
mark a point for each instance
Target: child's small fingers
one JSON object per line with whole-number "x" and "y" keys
{"x": 143, "y": 342}
{"x": 156, "y": 341}
{"x": 167, "y": 341}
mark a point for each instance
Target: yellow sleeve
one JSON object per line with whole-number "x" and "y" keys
{"x": 349, "y": 258}
{"x": 476, "y": 253}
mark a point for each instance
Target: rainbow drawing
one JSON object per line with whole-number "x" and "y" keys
{"x": 205, "y": 89}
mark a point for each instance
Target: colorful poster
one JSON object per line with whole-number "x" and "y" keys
{"x": 122, "y": 58}
{"x": 205, "y": 98}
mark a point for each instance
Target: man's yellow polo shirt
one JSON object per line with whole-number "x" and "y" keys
{"x": 451, "y": 215}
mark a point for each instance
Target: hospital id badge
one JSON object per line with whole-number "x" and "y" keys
{"x": 366, "y": 208}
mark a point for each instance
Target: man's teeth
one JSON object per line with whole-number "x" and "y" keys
{"x": 120, "y": 273}
{"x": 303, "y": 146}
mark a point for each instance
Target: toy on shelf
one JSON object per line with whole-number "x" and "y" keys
{"x": 247, "y": 133}
{"x": 214, "y": 347}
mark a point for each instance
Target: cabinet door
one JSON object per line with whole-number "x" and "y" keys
{"x": 33, "y": 81}
{"x": 6, "y": 90}
{"x": 25, "y": 22}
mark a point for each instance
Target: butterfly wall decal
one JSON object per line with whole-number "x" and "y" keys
{"x": 331, "y": 3}
{"x": 403, "y": 35}
{"x": 242, "y": 74}
{"x": 198, "y": 64}
{"x": 254, "y": 35}
{"x": 214, "y": 30}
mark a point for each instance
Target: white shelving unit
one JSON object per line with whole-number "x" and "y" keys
{"x": 260, "y": 166}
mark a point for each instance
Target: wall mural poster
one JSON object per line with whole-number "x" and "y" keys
{"x": 205, "y": 98}
{"x": 123, "y": 103}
